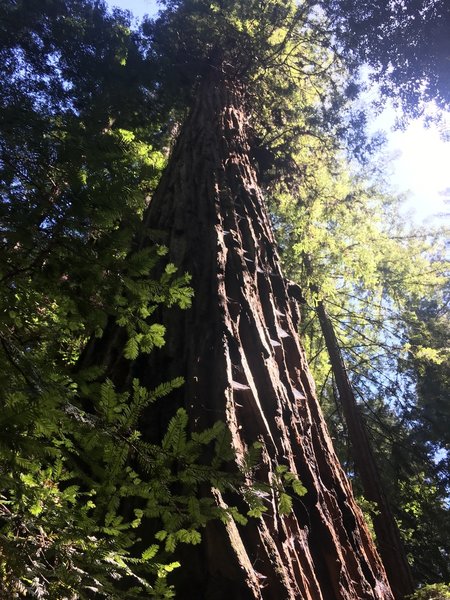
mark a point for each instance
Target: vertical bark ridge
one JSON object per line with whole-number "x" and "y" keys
{"x": 239, "y": 353}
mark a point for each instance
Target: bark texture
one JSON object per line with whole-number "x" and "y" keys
{"x": 239, "y": 353}
{"x": 388, "y": 536}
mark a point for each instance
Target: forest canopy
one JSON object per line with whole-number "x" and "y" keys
{"x": 118, "y": 463}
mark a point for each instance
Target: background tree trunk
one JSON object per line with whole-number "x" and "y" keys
{"x": 239, "y": 353}
{"x": 388, "y": 536}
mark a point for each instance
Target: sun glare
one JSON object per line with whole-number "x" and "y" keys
{"x": 422, "y": 167}
{"x": 420, "y": 163}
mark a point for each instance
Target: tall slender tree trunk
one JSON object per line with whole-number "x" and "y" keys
{"x": 388, "y": 536}
{"x": 238, "y": 350}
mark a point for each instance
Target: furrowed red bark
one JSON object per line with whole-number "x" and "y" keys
{"x": 238, "y": 350}
{"x": 388, "y": 536}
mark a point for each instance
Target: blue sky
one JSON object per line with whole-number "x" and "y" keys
{"x": 420, "y": 164}
{"x": 422, "y": 160}
{"x": 138, "y": 7}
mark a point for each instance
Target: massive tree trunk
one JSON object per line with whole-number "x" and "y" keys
{"x": 388, "y": 536}
{"x": 238, "y": 350}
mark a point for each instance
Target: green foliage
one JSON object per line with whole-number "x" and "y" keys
{"x": 369, "y": 509}
{"x": 284, "y": 487}
{"x": 63, "y": 525}
{"x": 428, "y": 364}
{"x": 437, "y": 591}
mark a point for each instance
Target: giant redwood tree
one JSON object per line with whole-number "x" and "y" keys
{"x": 237, "y": 347}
